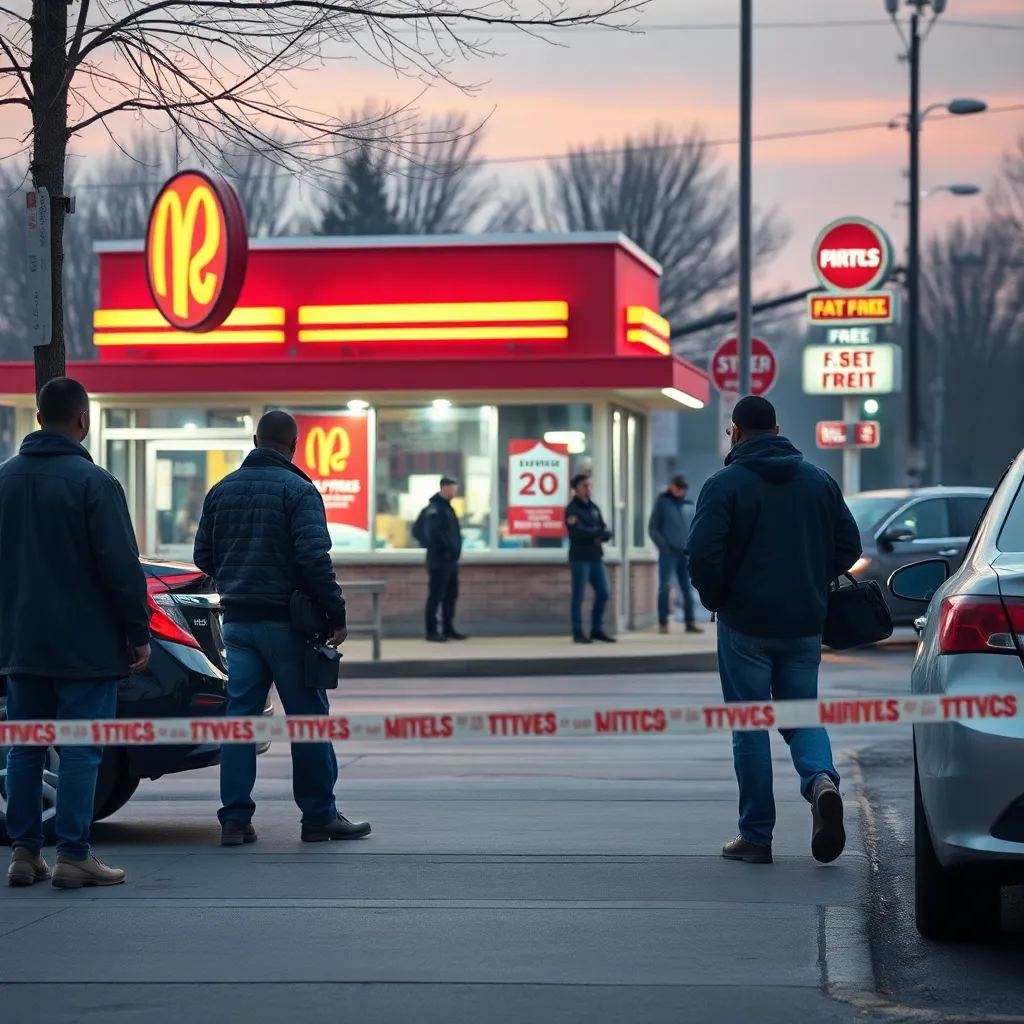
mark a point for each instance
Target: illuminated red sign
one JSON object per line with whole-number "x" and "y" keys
{"x": 852, "y": 255}
{"x": 836, "y": 434}
{"x": 196, "y": 251}
{"x": 725, "y": 367}
{"x": 866, "y": 434}
{"x": 831, "y": 434}
{"x": 830, "y": 308}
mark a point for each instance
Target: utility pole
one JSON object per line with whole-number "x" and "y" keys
{"x": 915, "y": 459}
{"x": 745, "y": 312}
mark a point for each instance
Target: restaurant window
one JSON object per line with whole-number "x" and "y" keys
{"x": 638, "y": 474}
{"x": 178, "y": 419}
{"x": 334, "y": 451}
{"x": 415, "y": 448}
{"x": 8, "y": 422}
{"x": 540, "y": 449}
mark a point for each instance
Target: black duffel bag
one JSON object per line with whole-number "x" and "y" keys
{"x": 857, "y": 615}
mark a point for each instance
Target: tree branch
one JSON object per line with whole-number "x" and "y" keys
{"x": 17, "y": 69}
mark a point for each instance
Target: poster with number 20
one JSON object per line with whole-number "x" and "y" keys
{"x": 538, "y": 488}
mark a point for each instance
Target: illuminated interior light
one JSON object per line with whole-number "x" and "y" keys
{"x": 642, "y": 336}
{"x": 574, "y": 440}
{"x": 358, "y": 404}
{"x": 644, "y": 317}
{"x": 682, "y": 398}
{"x": 435, "y": 312}
{"x": 241, "y": 316}
{"x": 370, "y": 334}
{"x": 441, "y": 403}
{"x": 191, "y": 426}
{"x": 217, "y": 337}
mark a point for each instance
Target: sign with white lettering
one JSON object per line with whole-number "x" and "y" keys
{"x": 538, "y": 488}
{"x": 860, "y": 370}
{"x": 725, "y": 367}
{"x": 836, "y": 434}
{"x": 852, "y": 255}
{"x": 851, "y": 335}
{"x": 38, "y": 291}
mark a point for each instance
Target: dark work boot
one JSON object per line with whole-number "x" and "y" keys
{"x": 237, "y": 833}
{"x": 453, "y": 634}
{"x": 340, "y": 828}
{"x": 828, "y": 837}
{"x": 581, "y": 638}
{"x": 436, "y": 638}
{"x": 749, "y": 853}
{"x": 600, "y": 634}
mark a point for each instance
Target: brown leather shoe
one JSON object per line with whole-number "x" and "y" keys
{"x": 27, "y": 868}
{"x": 662, "y": 627}
{"x": 693, "y": 628}
{"x": 73, "y": 874}
{"x": 828, "y": 836}
{"x": 749, "y": 853}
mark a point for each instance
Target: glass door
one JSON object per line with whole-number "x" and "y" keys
{"x": 178, "y": 476}
{"x": 621, "y": 521}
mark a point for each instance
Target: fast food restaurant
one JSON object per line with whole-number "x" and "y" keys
{"x": 507, "y": 362}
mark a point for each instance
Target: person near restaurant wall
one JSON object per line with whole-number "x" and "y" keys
{"x": 74, "y": 620}
{"x": 263, "y": 537}
{"x": 669, "y": 530}
{"x": 588, "y": 533}
{"x": 440, "y": 533}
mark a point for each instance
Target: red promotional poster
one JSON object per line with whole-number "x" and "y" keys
{"x": 333, "y": 451}
{"x": 538, "y": 488}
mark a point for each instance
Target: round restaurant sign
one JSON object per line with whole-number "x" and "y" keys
{"x": 197, "y": 249}
{"x": 852, "y": 255}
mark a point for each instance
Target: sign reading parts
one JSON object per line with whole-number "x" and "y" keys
{"x": 852, "y": 255}
{"x": 197, "y": 250}
{"x": 852, "y": 370}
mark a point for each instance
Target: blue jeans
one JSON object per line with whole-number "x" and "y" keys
{"x": 261, "y": 653}
{"x": 672, "y": 565}
{"x": 760, "y": 669}
{"x": 583, "y": 573}
{"x": 30, "y": 698}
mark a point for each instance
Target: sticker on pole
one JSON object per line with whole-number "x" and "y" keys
{"x": 725, "y": 367}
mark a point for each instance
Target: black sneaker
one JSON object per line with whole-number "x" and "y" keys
{"x": 237, "y": 833}
{"x": 580, "y": 638}
{"x": 454, "y": 634}
{"x": 828, "y": 837}
{"x": 600, "y": 634}
{"x": 749, "y": 853}
{"x": 436, "y": 638}
{"x": 340, "y": 828}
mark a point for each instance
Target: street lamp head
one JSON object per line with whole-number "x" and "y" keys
{"x": 964, "y": 189}
{"x": 891, "y": 7}
{"x": 966, "y": 106}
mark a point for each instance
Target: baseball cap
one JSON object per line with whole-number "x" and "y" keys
{"x": 754, "y": 413}
{"x": 679, "y": 480}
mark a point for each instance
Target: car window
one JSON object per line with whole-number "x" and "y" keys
{"x": 929, "y": 519}
{"x": 1011, "y": 536}
{"x": 869, "y": 512}
{"x": 964, "y": 514}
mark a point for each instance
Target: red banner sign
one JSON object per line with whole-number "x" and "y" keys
{"x": 333, "y": 451}
{"x": 538, "y": 488}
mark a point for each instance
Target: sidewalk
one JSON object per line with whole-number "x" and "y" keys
{"x": 635, "y": 653}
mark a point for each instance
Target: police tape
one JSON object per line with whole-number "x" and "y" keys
{"x": 841, "y": 712}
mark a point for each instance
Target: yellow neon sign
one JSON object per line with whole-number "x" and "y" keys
{"x": 241, "y": 316}
{"x": 436, "y": 312}
{"x": 367, "y": 334}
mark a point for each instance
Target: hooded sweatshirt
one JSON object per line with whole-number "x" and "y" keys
{"x": 769, "y": 534}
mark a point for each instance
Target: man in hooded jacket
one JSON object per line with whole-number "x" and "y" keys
{"x": 769, "y": 534}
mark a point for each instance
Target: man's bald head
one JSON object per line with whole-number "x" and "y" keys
{"x": 278, "y": 430}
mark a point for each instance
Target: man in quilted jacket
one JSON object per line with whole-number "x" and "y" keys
{"x": 263, "y": 536}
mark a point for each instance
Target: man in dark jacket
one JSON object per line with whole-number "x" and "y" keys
{"x": 587, "y": 536}
{"x": 263, "y": 536}
{"x": 74, "y": 619}
{"x": 443, "y": 540}
{"x": 770, "y": 532}
{"x": 669, "y": 529}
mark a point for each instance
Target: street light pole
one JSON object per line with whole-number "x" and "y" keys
{"x": 745, "y": 312}
{"x": 914, "y": 454}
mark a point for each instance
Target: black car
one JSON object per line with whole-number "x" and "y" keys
{"x": 186, "y": 677}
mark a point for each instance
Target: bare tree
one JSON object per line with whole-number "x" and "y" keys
{"x": 668, "y": 196}
{"x": 436, "y": 186}
{"x": 217, "y": 71}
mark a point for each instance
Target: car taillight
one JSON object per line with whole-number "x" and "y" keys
{"x": 970, "y": 624}
{"x": 166, "y": 621}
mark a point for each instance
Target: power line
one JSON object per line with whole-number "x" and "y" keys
{"x": 798, "y": 133}
{"x": 728, "y": 26}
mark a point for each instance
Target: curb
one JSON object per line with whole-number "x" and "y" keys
{"x": 626, "y": 664}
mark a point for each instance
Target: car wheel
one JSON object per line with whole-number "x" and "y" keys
{"x": 121, "y": 791}
{"x": 949, "y": 903}
{"x": 51, "y": 772}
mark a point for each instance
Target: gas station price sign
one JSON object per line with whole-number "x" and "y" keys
{"x": 853, "y": 370}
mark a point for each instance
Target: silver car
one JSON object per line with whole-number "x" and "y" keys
{"x": 902, "y": 526}
{"x": 969, "y": 774}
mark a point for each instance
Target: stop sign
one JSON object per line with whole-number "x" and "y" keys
{"x": 852, "y": 255}
{"x": 725, "y": 367}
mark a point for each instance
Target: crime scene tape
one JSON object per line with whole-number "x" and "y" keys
{"x": 541, "y": 724}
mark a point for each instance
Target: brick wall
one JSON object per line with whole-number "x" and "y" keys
{"x": 496, "y": 599}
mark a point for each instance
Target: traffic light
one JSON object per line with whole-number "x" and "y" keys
{"x": 870, "y": 407}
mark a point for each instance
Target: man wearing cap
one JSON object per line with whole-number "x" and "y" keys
{"x": 669, "y": 529}
{"x": 769, "y": 533}
{"x": 443, "y": 541}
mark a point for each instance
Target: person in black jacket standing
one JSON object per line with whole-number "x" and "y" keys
{"x": 669, "y": 528}
{"x": 74, "y": 620}
{"x": 587, "y": 535}
{"x": 263, "y": 536}
{"x": 770, "y": 532}
{"x": 443, "y": 541}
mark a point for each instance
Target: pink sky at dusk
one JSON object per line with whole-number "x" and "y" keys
{"x": 601, "y": 85}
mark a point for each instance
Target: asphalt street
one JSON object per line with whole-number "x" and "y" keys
{"x": 513, "y": 880}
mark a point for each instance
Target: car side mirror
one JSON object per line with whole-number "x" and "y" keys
{"x": 898, "y": 533}
{"x": 919, "y": 580}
